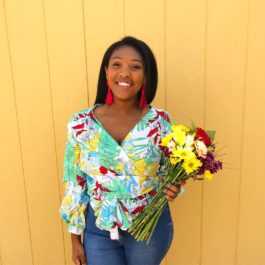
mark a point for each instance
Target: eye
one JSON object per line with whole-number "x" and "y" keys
{"x": 136, "y": 67}
{"x": 116, "y": 64}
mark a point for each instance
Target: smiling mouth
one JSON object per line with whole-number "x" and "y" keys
{"x": 123, "y": 84}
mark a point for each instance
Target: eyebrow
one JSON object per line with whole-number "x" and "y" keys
{"x": 117, "y": 57}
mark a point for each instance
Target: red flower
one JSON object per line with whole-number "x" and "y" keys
{"x": 202, "y": 135}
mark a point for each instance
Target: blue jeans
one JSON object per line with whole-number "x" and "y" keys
{"x": 101, "y": 250}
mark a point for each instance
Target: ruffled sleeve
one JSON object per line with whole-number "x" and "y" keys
{"x": 75, "y": 200}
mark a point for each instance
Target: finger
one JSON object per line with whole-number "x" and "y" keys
{"x": 173, "y": 187}
{"x": 83, "y": 260}
{"x": 77, "y": 261}
{"x": 182, "y": 182}
{"x": 169, "y": 198}
{"x": 170, "y": 193}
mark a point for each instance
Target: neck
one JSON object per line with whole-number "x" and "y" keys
{"x": 124, "y": 107}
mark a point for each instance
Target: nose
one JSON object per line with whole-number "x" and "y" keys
{"x": 124, "y": 72}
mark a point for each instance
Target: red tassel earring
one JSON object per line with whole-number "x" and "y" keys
{"x": 143, "y": 102}
{"x": 109, "y": 97}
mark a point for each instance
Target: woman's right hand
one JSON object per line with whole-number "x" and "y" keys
{"x": 78, "y": 252}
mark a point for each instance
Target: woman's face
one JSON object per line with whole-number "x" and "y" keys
{"x": 125, "y": 73}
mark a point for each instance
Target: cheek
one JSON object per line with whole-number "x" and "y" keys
{"x": 139, "y": 77}
{"x": 110, "y": 73}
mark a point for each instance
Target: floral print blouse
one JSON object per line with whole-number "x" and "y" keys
{"x": 118, "y": 180}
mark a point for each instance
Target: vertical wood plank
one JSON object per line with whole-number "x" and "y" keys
{"x": 68, "y": 80}
{"x": 151, "y": 31}
{"x": 185, "y": 51}
{"x": 251, "y": 235}
{"x": 104, "y": 24}
{"x": 46, "y": 90}
{"x": 226, "y": 49}
{"x": 31, "y": 80}
{"x": 15, "y": 238}
{"x": 147, "y": 24}
{"x": 220, "y": 207}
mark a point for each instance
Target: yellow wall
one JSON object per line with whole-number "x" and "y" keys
{"x": 211, "y": 57}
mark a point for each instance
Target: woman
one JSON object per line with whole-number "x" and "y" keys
{"x": 113, "y": 163}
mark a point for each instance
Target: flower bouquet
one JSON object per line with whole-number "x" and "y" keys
{"x": 189, "y": 153}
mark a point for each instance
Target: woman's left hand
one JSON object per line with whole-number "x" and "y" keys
{"x": 172, "y": 191}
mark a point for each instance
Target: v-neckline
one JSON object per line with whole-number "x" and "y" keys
{"x": 106, "y": 131}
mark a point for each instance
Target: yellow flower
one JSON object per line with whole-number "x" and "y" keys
{"x": 183, "y": 153}
{"x": 179, "y": 136}
{"x": 208, "y": 174}
{"x": 180, "y": 126}
{"x": 174, "y": 160}
{"x": 165, "y": 140}
{"x": 190, "y": 165}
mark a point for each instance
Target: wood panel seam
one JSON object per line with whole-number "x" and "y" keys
{"x": 52, "y": 111}
{"x": 165, "y": 69}
{"x": 0, "y": 257}
{"x": 242, "y": 131}
{"x": 18, "y": 129}
{"x": 165, "y": 53}
{"x": 85, "y": 50}
{"x": 204, "y": 118}
{"x": 123, "y": 9}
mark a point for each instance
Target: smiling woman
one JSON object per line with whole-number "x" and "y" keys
{"x": 125, "y": 73}
{"x": 113, "y": 165}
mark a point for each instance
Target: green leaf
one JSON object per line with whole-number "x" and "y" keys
{"x": 193, "y": 126}
{"x": 211, "y": 134}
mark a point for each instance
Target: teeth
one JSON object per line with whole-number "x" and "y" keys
{"x": 123, "y": 84}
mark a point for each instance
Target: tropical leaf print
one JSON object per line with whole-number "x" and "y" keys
{"x": 108, "y": 149}
{"x": 144, "y": 122}
{"x": 117, "y": 180}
